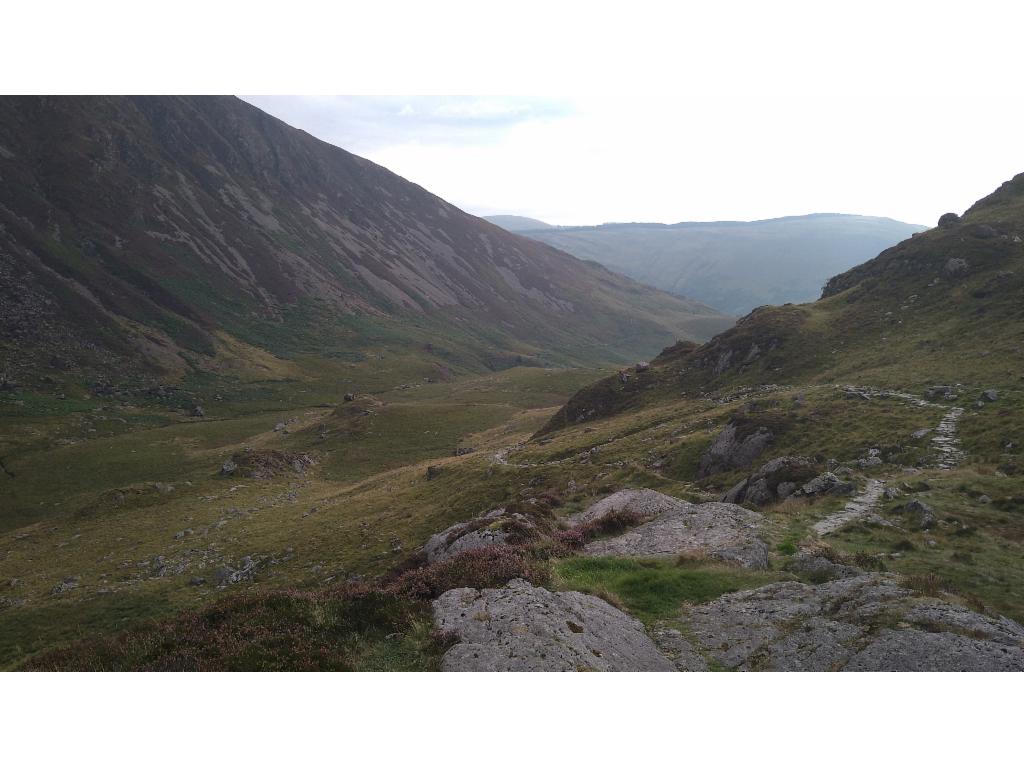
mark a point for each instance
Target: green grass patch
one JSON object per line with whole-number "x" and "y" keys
{"x": 653, "y": 589}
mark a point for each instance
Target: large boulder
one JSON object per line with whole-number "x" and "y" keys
{"x": 867, "y": 622}
{"x": 642, "y": 503}
{"x": 736, "y": 446}
{"x": 948, "y": 220}
{"x": 523, "y": 628}
{"x": 488, "y": 530}
{"x": 827, "y": 484}
{"x": 774, "y": 481}
{"x": 716, "y": 530}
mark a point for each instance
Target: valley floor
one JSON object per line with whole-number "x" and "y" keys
{"x": 282, "y": 571}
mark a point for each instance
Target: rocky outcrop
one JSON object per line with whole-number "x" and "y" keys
{"x": 736, "y": 446}
{"x": 643, "y": 503}
{"x": 827, "y": 484}
{"x": 865, "y": 623}
{"x": 716, "y": 530}
{"x": 491, "y": 529}
{"x": 774, "y": 481}
{"x": 265, "y": 464}
{"x": 524, "y": 628}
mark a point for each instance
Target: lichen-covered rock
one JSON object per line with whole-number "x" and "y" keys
{"x": 491, "y": 529}
{"x": 715, "y": 529}
{"x": 734, "y": 447}
{"x": 644, "y": 503}
{"x": 525, "y": 628}
{"x": 866, "y": 622}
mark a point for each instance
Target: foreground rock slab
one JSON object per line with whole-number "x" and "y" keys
{"x": 715, "y": 529}
{"x": 864, "y": 623}
{"x": 525, "y": 628}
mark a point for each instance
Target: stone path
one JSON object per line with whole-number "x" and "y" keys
{"x": 946, "y": 442}
{"x": 858, "y": 509}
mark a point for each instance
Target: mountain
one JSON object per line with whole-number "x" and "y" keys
{"x": 734, "y": 265}
{"x": 159, "y": 235}
{"x": 518, "y": 223}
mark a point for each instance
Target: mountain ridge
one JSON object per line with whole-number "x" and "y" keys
{"x": 734, "y": 265}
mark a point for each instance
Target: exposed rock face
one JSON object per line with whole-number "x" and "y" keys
{"x": 265, "y": 464}
{"x": 529, "y": 629}
{"x": 487, "y": 530}
{"x": 734, "y": 448}
{"x": 721, "y": 531}
{"x": 774, "y": 481}
{"x": 866, "y": 622}
{"x": 828, "y": 484}
{"x": 643, "y": 502}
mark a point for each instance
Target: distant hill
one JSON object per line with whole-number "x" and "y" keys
{"x": 157, "y": 233}
{"x": 518, "y": 223}
{"x": 734, "y": 266}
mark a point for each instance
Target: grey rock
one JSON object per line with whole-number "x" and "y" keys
{"x": 948, "y": 221}
{"x": 717, "y": 530}
{"x": 530, "y": 629}
{"x": 733, "y": 449}
{"x": 642, "y": 502}
{"x": 917, "y": 651}
{"x": 228, "y": 467}
{"x": 924, "y": 514}
{"x": 818, "y": 568}
{"x": 488, "y": 530}
{"x": 433, "y": 472}
{"x": 348, "y": 397}
{"x": 917, "y": 434}
{"x": 198, "y": 412}
{"x": 836, "y": 626}
{"x": 983, "y": 499}
{"x": 990, "y": 395}
{"x": 774, "y": 481}
{"x": 642, "y": 366}
{"x": 955, "y": 266}
{"x": 827, "y": 484}
{"x": 66, "y": 585}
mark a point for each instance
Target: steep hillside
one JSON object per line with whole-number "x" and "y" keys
{"x": 734, "y": 265}
{"x": 164, "y": 234}
{"x": 517, "y": 223}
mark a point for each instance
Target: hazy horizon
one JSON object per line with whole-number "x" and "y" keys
{"x": 584, "y": 161}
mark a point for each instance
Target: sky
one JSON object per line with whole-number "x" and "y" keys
{"x": 699, "y": 153}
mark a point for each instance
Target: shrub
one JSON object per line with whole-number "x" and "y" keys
{"x": 480, "y": 568}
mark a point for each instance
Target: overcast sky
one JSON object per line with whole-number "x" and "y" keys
{"x": 713, "y": 111}
{"x": 690, "y": 155}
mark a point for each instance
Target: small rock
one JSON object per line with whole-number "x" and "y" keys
{"x": 198, "y": 412}
{"x": 983, "y": 499}
{"x": 990, "y": 395}
{"x": 349, "y": 397}
{"x": 228, "y": 467}
{"x": 433, "y": 472}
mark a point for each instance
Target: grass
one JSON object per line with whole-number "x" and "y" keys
{"x": 653, "y": 589}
